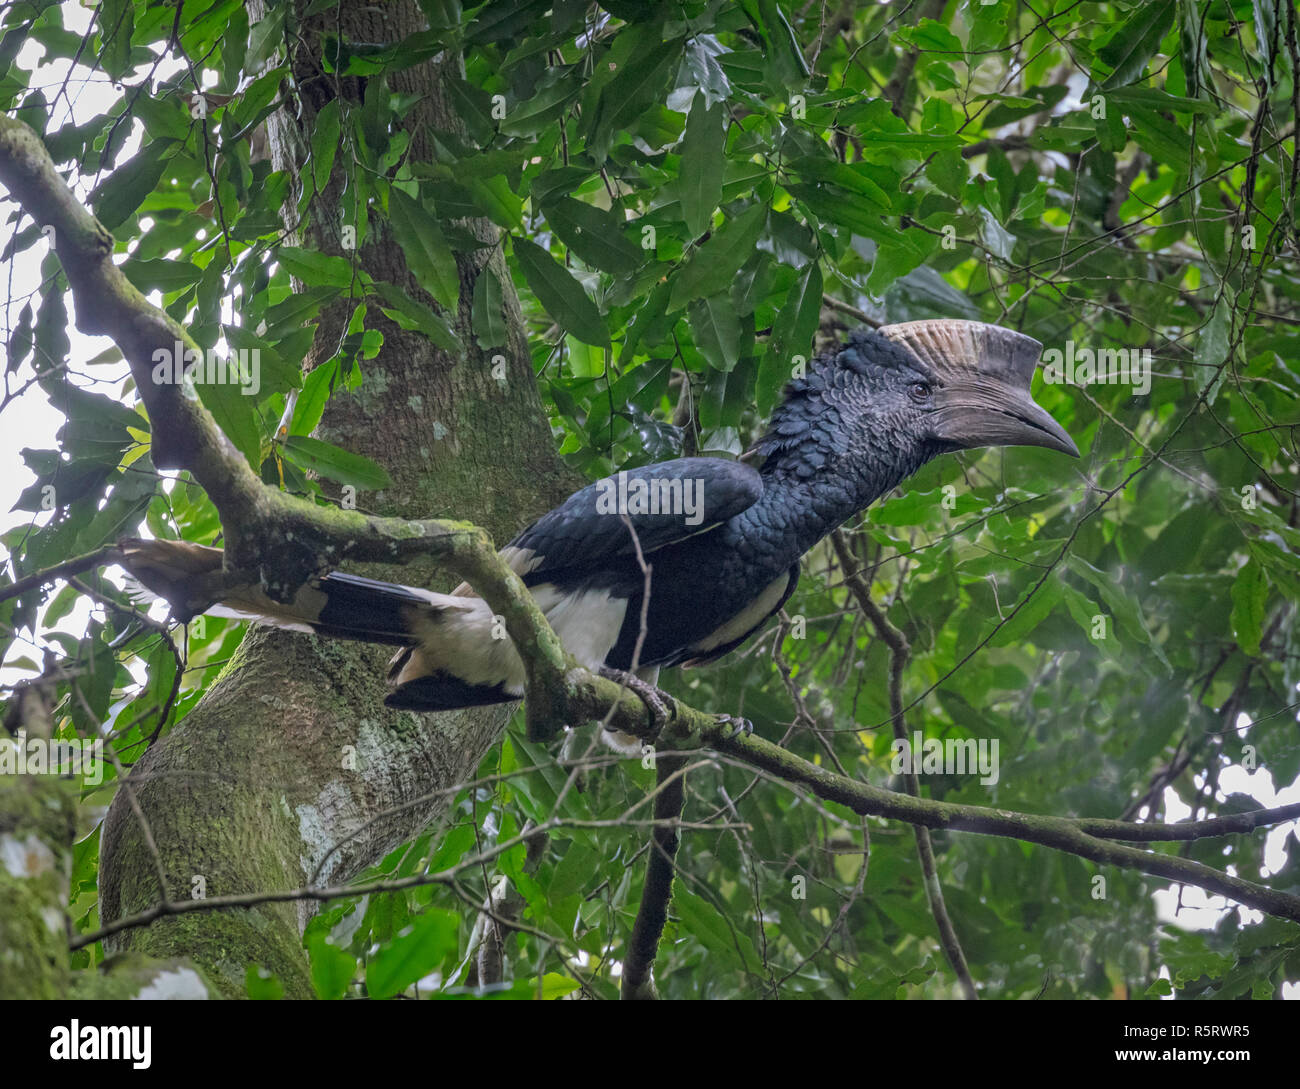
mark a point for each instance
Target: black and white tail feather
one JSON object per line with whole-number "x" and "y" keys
{"x": 453, "y": 651}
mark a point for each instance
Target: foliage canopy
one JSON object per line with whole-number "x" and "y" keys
{"x": 691, "y": 196}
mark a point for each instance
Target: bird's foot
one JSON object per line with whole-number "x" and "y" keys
{"x": 737, "y": 726}
{"x": 658, "y": 702}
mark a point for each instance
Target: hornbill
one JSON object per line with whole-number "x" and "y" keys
{"x": 722, "y": 539}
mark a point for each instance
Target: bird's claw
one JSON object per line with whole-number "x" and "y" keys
{"x": 739, "y": 726}
{"x": 659, "y": 703}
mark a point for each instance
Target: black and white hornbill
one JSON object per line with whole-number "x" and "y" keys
{"x": 724, "y": 553}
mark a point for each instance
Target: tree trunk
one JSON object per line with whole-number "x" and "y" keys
{"x": 253, "y": 789}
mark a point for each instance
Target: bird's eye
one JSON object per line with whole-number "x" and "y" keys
{"x": 919, "y": 391}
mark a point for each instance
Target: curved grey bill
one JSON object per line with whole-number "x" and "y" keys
{"x": 984, "y": 373}
{"x": 986, "y": 412}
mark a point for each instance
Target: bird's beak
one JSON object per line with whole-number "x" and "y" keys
{"x": 984, "y": 411}
{"x": 984, "y": 374}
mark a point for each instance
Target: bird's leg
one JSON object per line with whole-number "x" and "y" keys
{"x": 739, "y": 725}
{"x": 658, "y": 702}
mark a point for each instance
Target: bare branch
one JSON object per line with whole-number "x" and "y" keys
{"x": 899, "y": 652}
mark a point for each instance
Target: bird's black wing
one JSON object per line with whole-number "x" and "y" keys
{"x": 666, "y": 502}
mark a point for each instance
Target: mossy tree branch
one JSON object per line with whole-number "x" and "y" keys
{"x": 284, "y": 540}
{"x": 184, "y": 435}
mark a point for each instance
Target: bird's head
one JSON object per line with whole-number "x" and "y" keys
{"x": 968, "y": 385}
{"x": 892, "y": 398}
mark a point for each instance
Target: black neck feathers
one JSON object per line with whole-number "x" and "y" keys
{"x": 838, "y": 419}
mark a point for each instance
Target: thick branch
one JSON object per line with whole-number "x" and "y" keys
{"x": 638, "y": 967}
{"x": 66, "y": 570}
{"x": 561, "y": 691}
{"x": 184, "y": 435}
{"x": 1061, "y": 833}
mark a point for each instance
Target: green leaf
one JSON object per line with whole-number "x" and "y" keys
{"x": 314, "y": 268}
{"x": 236, "y": 414}
{"x": 332, "y": 968}
{"x": 1013, "y": 107}
{"x": 556, "y": 183}
{"x": 427, "y": 253}
{"x": 161, "y": 273}
{"x": 532, "y": 114}
{"x": 919, "y": 508}
{"x": 50, "y": 334}
{"x": 21, "y": 340}
{"x": 264, "y": 37}
{"x": 1084, "y": 611}
{"x": 897, "y": 258}
{"x": 796, "y": 321}
{"x": 250, "y": 107}
{"x": 336, "y": 463}
{"x": 699, "y": 183}
{"x": 1123, "y": 605}
{"x": 651, "y": 318}
{"x": 298, "y": 310}
{"x": 829, "y": 172}
{"x": 593, "y": 234}
{"x": 705, "y": 72}
{"x": 1249, "y": 598}
{"x": 473, "y": 107}
{"x": 455, "y": 844}
{"x": 635, "y": 86}
{"x": 316, "y": 390}
{"x": 1136, "y": 42}
{"x": 575, "y": 871}
{"x": 931, "y": 36}
{"x": 116, "y": 27}
{"x": 271, "y": 372}
{"x": 1265, "y": 13}
{"x": 781, "y": 46}
{"x": 498, "y": 201}
{"x": 495, "y": 22}
{"x": 1212, "y": 350}
{"x": 1153, "y": 98}
{"x": 553, "y": 986}
{"x": 412, "y": 956}
{"x": 714, "y": 264}
{"x": 560, "y": 294}
{"x": 716, "y": 330}
{"x": 1160, "y": 136}
{"x": 324, "y": 143}
{"x": 123, "y": 191}
{"x": 1192, "y": 45}
{"x": 412, "y": 314}
{"x": 261, "y": 985}
{"x": 707, "y": 925}
{"x": 488, "y": 318}
{"x": 830, "y": 206}
{"x": 999, "y": 240}
{"x": 1032, "y": 613}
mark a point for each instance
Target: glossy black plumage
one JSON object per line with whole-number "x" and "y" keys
{"x": 812, "y": 479}
{"x": 724, "y": 544}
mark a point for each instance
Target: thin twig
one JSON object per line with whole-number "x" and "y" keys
{"x": 899, "y": 652}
